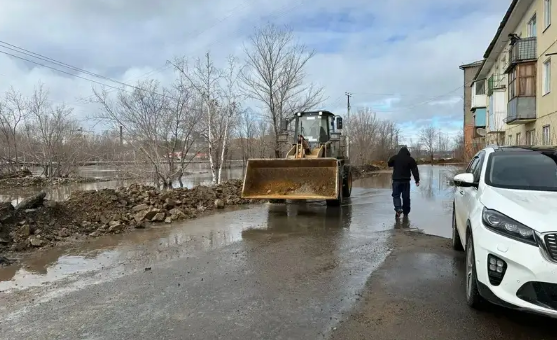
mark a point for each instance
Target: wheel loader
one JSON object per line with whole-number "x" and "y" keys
{"x": 315, "y": 167}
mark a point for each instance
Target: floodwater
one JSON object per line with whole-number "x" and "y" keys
{"x": 369, "y": 211}
{"x": 199, "y": 175}
{"x": 271, "y": 271}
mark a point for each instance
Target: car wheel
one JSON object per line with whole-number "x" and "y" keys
{"x": 457, "y": 243}
{"x": 473, "y": 297}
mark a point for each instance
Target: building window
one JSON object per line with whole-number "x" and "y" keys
{"x": 546, "y": 140}
{"x": 518, "y": 139}
{"x": 480, "y": 87}
{"x": 546, "y": 80}
{"x": 530, "y": 137}
{"x": 510, "y": 140}
{"x": 522, "y": 81}
{"x": 546, "y": 13}
{"x": 532, "y": 27}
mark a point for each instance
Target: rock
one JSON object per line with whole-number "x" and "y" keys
{"x": 177, "y": 214}
{"x": 32, "y": 202}
{"x": 219, "y": 204}
{"x": 25, "y": 230}
{"x": 140, "y": 207}
{"x": 140, "y": 225}
{"x": 168, "y": 220}
{"x": 64, "y": 232}
{"x": 114, "y": 226}
{"x": 35, "y": 241}
{"x": 159, "y": 217}
{"x": 145, "y": 215}
{"x": 6, "y": 210}
{"x": 114, "y": 223}
{"x": 4, "y": 261}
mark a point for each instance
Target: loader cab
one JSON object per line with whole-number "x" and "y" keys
{"x": 315, "y": 126}
{"x": 318, "y": 128}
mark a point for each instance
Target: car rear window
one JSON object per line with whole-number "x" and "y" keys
{"x": 522, "y": 171}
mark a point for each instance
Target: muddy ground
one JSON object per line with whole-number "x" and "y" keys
{"x": 294, "y": 271}
{"x": 37, "y": 223}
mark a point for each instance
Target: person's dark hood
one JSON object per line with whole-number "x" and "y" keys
{"x": 404, "y": 151}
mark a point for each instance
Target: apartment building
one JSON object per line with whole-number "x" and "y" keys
{"x": 472, "y": 121}
{"x": 521, "y": 98}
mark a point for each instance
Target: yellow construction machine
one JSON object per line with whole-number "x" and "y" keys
{"x": 316, "y": 166}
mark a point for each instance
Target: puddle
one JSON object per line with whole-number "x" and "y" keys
{"x": 368, "y": 212}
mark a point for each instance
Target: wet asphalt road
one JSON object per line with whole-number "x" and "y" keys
{"x": 300, "y": 271}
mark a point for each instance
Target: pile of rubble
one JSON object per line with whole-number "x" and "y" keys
{"x": 37, "y": 222}
{"x": 364, "y": 171}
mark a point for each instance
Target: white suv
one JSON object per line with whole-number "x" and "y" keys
{"x": 505, "y": 216}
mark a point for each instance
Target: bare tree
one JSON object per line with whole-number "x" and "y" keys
{"x": 458, "y": 147}
{"x": 54, "y": 138}
{"x": 231, "y": 107}
{"x": 157, "y": 121}
{"x": 428, "y": 138}
{"x": 246, "y": 132}
{"x": 443, "y": 143}
{"x": 373, "y": 139}
{"x": 219, "y": 97}
{"x": 363, "y": 135}
{"x": 13, "y": 112}
{"x": 275, "y": 75}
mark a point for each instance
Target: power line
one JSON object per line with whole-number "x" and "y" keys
{"x": 74, "y": 68}
{"x": 42, "y": 57}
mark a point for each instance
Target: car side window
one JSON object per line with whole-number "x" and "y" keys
{"x": 477, "y": 171}
{"x": 472, "y": 165}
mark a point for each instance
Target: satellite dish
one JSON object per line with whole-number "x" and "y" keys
{"x": 481, "y": 132}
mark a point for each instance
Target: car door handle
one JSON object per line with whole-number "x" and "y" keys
{"x": 461, "y": 192}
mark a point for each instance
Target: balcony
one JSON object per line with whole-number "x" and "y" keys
{"x": 523, "y": 50}
{"x": 521, "y": 110}
{"x": 479, "y": 117}
{"x": 479, "y": 99}
{"x": 497, "y": 112}
{"x": 496, "y": 82}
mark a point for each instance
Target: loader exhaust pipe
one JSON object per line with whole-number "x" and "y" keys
{"x": 294, "y": 179}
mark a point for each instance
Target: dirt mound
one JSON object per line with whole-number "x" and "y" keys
{"x": 361, "y": 171}
{"x": 93, "y": 213}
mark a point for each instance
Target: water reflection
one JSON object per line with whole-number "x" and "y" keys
{"x": 62, "y": 192}
{"x": 117, "y": 254}
{"x": 311, "y": 226}
{"x": 303, "y": 217}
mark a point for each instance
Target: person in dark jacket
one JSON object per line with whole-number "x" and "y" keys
{"x": 403, "y": 166}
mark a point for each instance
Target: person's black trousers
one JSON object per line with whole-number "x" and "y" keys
{"x": 401, "y": 188}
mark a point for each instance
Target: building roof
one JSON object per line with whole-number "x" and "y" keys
{"x": 473, "y": 64}
{"x": 520, "y": 6}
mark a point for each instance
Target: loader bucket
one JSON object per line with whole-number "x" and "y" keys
{"x": 293, "y": 179}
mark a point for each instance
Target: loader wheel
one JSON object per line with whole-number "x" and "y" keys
{"x": 347, "y": 185}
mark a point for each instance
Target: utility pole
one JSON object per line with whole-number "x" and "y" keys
{"x": 348, "y": 95}
{"x": 121, "y": 135}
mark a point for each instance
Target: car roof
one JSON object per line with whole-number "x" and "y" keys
{"x": 524, "y": 148}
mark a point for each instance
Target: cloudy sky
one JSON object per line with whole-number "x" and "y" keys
{"x": 399, "y": 57}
